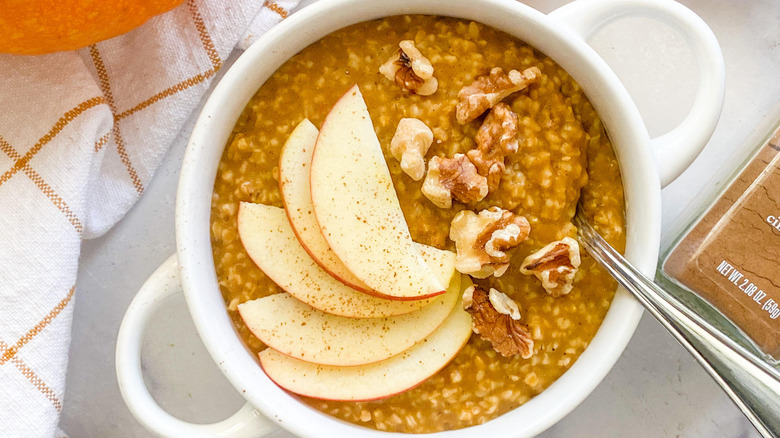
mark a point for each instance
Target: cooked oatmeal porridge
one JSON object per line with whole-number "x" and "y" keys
{"x": 562, "y": 154}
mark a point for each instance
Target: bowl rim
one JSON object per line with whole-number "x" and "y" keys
{"x": 209, "y": 136}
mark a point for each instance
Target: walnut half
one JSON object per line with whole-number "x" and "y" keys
{"x": 496, "y": 138}
{"x": 410, "y": 70}
{"x": 496, "y": 319}
{"x": 455, "y": 177}
{"x": 486, "y": 91}
{"x": 409, "y": 145}
{"x": 482, "y": 240}
{"x": 555, "y": 265}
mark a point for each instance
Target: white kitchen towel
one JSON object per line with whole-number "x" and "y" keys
{"x": 81, "y": 134}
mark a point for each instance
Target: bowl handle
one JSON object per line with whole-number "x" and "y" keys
{"x": 164, "y": 283}
{"x": 675, "y": 150}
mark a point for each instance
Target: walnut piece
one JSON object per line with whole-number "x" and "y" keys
{"x": 499, "y": 325}
{"x": 410, "y": 144}
{"x": 555, "y": 265}
{"x": 456, "y": 177}
{"x": 410, "y": 70}
{"x": 503, "y": 304}
{"x": 496, "y": 138}
{"x": 486, "y": 91}
{"x": 482, "y": 240}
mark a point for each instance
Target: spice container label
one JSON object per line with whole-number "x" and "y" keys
{"x": 731, "y": 257}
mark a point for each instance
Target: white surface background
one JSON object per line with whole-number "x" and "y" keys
{"x": 655, "y": 390}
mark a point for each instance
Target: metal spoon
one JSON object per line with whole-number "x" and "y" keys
{"x": 752, "y": 384}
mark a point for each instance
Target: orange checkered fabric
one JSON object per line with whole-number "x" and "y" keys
{"x": 81, "y": 134}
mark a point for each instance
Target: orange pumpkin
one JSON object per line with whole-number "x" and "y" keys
{"x": 31, "y": 27}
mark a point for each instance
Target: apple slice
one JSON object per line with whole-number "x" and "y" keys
{"x": 377, "y": 380}
{"x": 358, "y": 210}
{"x": 294, "y": 171}
{"x": 270, "y": 242}
{"x": 303, "y": 332}
{"x": 294, "y": 184}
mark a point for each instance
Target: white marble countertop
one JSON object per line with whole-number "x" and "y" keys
{"x": 654, "y": 390}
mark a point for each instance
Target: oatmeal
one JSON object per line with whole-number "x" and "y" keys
{"x": 562, "y": 154}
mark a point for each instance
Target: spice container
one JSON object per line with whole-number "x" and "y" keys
{"x": 726, "y": 262}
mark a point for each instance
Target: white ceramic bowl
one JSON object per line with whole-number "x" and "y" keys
{"x": 560, "y": 35}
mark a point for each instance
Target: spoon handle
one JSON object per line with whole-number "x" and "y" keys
{"x": 753, "y": 385}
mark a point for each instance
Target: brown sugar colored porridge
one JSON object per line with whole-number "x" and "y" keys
{"x": 564, "y": 153}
